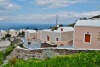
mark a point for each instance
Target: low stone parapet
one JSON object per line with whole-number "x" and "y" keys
{"x": 38, "y": 53}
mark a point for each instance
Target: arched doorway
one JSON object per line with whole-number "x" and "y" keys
{"x": 61, "y": 29}
{"x": 48, "y": 38}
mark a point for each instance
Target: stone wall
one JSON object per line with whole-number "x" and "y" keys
{"x": 25, "y": 53}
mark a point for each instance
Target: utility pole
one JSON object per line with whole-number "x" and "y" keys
{"x": 56, "y": 20}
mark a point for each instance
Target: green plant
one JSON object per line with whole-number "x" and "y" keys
{"x": 71, "y": 25}
{"x": 7, "y": 35}
{"x": 9, "y": 50}
{"x": 21, "y": 45}
{"x": 12, "y": 61}
{"x": 82, "y": 59}
{"x": 47, "y": 54}
{"x": 6, "y": 53}
{"x": 1, "y": 57}
{"x": 3, "y": 38}
{"x": 54, "y": 28}
{"x": 21, "y": 33}
{"x": 36, "y": 29}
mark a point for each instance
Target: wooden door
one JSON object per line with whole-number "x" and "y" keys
{"x": 48, "y": 38}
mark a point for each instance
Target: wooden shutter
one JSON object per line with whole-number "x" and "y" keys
{"x": 87, "y": 37}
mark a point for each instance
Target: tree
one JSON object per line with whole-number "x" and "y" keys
{"x": 36, "y": 29}
{"x": 23, "y": 33}
{"x": 3, "y": 38}
{"x": 85, "y": 18}
{"x": 19, "y": 33}
{"x": 72, "y": 25}
{"x": 8, "y": 35}
{"x": 61, "y": 25}
{"x": 27, "y": 28}
{"x": 21, "y": 45}
{"x": 80, "y": 19}
{"x": 54, "y": 28}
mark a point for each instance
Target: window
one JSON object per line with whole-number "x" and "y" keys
{"x": 57, "y": 39}
{"x": 29, "y": 43}
{"x": 61, "y": 29}
{"x": 61, "y": 44}
{"x": 87, "y": 38}
{"x": 33, "y": 37}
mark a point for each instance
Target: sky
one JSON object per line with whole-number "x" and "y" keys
{"x": 45, "y": 11}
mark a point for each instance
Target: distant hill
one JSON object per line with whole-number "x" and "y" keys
{"x": 72, "y": 25}
{"x": 98, "y": 16}
{"x": 94, "y": 17}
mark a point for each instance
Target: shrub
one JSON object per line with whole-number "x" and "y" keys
{"x": 1, "y": 57}
{"x": 21, "y": 45}
{"x": 7, "y": 35}
{"x": 9, "y": 50}
{"x": 13, "y": 61}
{"x": 71, "y": 25}
{"x": 47, "y": 54}
{"x": 82, "y": 59}
{"x": 54, "y": 28}
{"x": 22, "y": 34}
{"x": 3, "y": 38}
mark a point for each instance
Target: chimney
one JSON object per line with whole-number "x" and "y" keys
{"x": 56, "y": 20}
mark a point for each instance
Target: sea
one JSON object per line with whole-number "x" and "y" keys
{"x": 17, "y": 26}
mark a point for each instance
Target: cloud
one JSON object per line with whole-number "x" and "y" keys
{"x": 57, "y": 3}
{"x": 22, "y": 0}
{"x": 92, "y": 13}
{"x": 1, "y": 18}
{"x": 8, "y": 5}
{"x": 49, "y": 18}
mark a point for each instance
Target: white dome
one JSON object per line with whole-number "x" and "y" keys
{"x": 65, "y": 29}
{"x": 31, "y": 31}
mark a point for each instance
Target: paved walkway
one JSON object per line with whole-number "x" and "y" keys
{"x": 4, "y": 44}
{"x": 31, "y": 46}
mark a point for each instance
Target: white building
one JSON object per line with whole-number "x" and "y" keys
{"x": 31, "y": 39}
{"x": 13, "y": 32}
{"x": 87, "y": 34}
{"x": 61, "y": 36}
{"x": 30, "y": 34}
{"x": 2, "y": 33}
